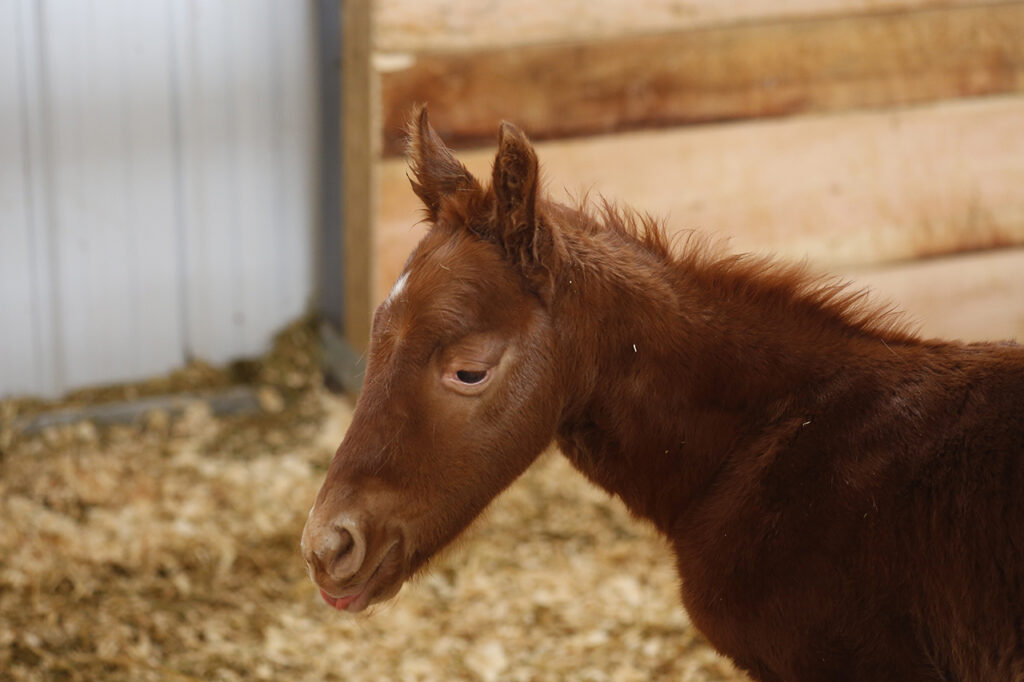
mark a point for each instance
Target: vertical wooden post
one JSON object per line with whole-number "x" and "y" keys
{"x": 360, "y": 151}
{"x": 349, "y": 264}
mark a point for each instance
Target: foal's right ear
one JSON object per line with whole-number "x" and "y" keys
{"x": 437, "y": 174}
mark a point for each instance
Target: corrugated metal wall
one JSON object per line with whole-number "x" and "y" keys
{"x": 157, "y": 189}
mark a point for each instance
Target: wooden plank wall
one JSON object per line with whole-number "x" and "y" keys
{"x": 863, "y": 135}
{"x": 426, "y": 25}
{"x": 718, "y": 73}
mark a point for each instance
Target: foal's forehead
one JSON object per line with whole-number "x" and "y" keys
{"x": 453, "y": 265}
{"x": 450, "y": 281}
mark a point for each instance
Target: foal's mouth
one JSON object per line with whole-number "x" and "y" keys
{"x": 383, "y": 583}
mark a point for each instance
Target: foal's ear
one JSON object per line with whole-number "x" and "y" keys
{"x": 437, "y": 174}
{"x": 515, "y": 193}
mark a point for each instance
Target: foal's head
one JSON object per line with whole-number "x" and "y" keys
{"x": 461, "y": 391}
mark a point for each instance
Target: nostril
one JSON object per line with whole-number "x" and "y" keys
{"x": 339, "y": 551}
{"x": 346, "y": 543}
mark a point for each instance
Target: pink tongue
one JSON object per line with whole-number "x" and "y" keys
{"x": 340, "y": 603}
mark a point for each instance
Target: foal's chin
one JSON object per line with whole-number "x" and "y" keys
{"x": 361, "y": 601}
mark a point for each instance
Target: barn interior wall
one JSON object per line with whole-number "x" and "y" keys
{"x": 157, "y": 189}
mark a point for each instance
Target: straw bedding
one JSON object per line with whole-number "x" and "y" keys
{"x": 168, "y": 550}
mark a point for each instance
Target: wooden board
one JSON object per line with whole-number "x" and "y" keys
{"x": 360, "y": 151}
{"x": 972, "y": 297}
{"x": 417, "y": 25}
{"x": 697, "y": 76}
{"x": 841, "y": 190}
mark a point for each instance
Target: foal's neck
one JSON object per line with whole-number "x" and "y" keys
{"x": 688, "y": 362}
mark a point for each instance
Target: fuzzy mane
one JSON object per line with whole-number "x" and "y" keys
{"x": 763, "y": 278}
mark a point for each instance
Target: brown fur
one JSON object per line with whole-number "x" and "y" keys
{"x": 844, "y": 499}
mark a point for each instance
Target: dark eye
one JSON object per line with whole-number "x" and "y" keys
{"x": 470, "y": 377}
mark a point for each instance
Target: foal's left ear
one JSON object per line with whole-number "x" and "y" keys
{"x": 515, "y": 192}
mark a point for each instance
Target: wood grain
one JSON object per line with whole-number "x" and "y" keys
{"x": 423, "y": 25}
{"x": 971, "y": 297}
{"x": 360, "y": 151}
{"x": 566, "y": 89}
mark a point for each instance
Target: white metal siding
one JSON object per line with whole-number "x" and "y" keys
{"x": 156, "y": 184}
